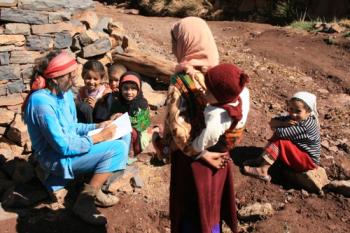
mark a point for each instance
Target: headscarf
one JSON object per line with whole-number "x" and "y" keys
{"x": 195, "y": 44}
{"x": 60, "y": 65}
{"x": 139, "y": 102}
{"x": 226, "y": 82}
{"x": 309, "y": 99}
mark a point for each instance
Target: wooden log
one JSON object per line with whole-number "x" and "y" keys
{"x": 146, "y": 64}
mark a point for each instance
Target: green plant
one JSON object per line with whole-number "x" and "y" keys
{"x": 304, "y": 25}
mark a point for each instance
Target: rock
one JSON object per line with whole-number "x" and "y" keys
{"x": 75, "y": 44}
{"x": 4, "y": 58}
{"x": 17, "y": 40}
{"x": 103, "y": 24}
{"x": 88, "y": 37}
{"x": 4, "y": 215}
{"x": 39, "y": 43}
{"x": 9, "y": 48}
{"x": 312, "y": 180}
{"x": 24, "y": 57}
{"x": 255, "y": 211}
{"x": 53, "y": 5}
{"x": 23, "y": 16}
{"x": 6, "y": 116}
{"x": 10, "y": 100}
{"x": 59, "y": 16}
{"x": 101, "y": 46}
{"x": 10, "y": 72}
{"x": 136, "y": 182}
{"x": 89, "y": 18}
{"x": 335, "y": 27}
{"x": 2, "y": 130}
{"x": 62, "y": 40}
{"x": 15, "y": 87}
{"x": 18, "y": 131}
{"x": 17, "y": 28}
{"x": 116, "y": 27}
{"x": 340, "y": 186}
{"x": 57, "y": 27}
{"x": 9, "y": 149}
{"x": 325, "y": 144}
{"x": 8, "y": 2}
{"x": 155, "y": 99}
{"x": 121, "y": 180}
{"x": 3, "y": 90}
{"x": 26, "y": 72}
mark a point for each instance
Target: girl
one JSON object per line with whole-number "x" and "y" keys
{"x": 296, "y": 140}
{"x": 94, "y": 89}
{"x": 131, "y": 100}
{"x": 102, "y": 110}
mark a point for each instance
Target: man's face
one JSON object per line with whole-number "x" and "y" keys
{"x": 66, "y": 82}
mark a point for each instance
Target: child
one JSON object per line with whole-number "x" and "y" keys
{"x": 131, "y": 100}
{"x": 296, "y": 140}
{"x": 94, "y": 89}
{"x": 226, "y": 115}
{"x": 102, "y": 110}
{"x": 115, "y": 71}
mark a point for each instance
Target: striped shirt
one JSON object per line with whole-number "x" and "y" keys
{"x": 305, "y": 134}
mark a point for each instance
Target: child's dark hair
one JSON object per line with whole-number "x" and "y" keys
{"x": 307, "y": 108}
{"x": 95, "y": 66}
{"x": 114, "y": 67}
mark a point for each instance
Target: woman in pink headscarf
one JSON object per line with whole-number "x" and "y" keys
{"x": 201, "y": 187}
{"x": 62, "y": 146}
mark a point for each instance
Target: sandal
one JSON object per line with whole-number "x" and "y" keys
{"x": 253, "y": 172}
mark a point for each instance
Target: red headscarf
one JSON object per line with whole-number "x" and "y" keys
{"x": 226, "y": 82}
{"x": 60, "y": 65}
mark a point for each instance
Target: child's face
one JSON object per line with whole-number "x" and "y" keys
{"x": 114, "y": 81}
{"x": 92, "y": 80}
{"x": 297, "y": 110}
{"x": 129, "y": 90}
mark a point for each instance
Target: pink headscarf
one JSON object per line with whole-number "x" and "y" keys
{"x": 195, "y": 45}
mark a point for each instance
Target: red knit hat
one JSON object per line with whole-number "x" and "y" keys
{"x": 226, "y": 82}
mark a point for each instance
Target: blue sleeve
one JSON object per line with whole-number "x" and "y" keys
{"x": 83, "y": 129}
{"x": 63, "y": 142}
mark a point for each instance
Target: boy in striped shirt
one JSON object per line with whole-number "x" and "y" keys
{"x": 296, "y": 139}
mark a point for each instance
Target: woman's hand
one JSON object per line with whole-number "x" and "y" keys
{"x": 105, "y": 134}
{"x": 104, "y": 124}
{"x": 216, "y": 159}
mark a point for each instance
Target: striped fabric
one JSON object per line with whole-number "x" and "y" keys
{"x": 306, "y": 135}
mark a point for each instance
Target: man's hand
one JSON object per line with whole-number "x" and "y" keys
{"x": 104, "y": 124}
{"x": 106, "y": 134}
{"x": 116, "y": 115}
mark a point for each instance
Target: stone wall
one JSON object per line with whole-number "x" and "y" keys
{"x": 31, "y": 28}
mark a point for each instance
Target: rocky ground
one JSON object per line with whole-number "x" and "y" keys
{"x": 280, "y": 61}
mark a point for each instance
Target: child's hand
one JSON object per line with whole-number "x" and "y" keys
{"x": 104, "y": 124}
{"x": 216, "y": 159}
{"x": 91, "y": 101}
{"x": 116, "y": 115}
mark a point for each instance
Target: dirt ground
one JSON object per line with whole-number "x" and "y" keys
{"x": 280, "y": 62}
